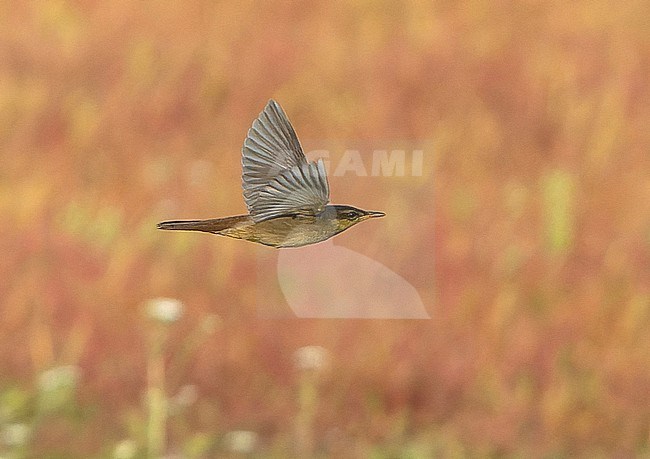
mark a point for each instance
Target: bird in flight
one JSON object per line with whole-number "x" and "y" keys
{"x": 286, "y": 195}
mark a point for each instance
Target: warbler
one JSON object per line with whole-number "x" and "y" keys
{"x": 286, "y": 195}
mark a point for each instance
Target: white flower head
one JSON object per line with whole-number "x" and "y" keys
{"x": 165, "y": 310}
{"x": 65, "y": 376}
{"x": 15, "y": 434}
{"x": 186, "y": 396}
{"x": 241, "y": 441}
{"x": 126, "y": 449}
{"x": 311, "y": 358}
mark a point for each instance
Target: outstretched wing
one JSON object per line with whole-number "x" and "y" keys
{"x": 277, "y": 179}
{"x": 301, "y": 190}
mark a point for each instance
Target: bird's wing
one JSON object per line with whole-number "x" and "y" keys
{"x": 277, "y": 179}
{"x": 303, "y": 190}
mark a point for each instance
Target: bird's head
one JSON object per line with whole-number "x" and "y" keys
{"x": 346, "y": 216}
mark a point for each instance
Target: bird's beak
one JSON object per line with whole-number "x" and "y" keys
{"x": 372, "y": 214}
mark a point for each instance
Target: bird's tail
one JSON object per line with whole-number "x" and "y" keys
{"x": 214, "y": 225}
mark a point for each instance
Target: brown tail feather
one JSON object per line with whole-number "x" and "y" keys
{"x": 209, "y": 226}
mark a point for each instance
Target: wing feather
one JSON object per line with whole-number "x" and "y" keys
{"x": 277, "y": 179}
{"x": 290, "y": 193}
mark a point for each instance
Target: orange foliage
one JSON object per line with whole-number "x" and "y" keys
{"x": 533, "y": 208}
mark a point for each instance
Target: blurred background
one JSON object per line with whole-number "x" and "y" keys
{"x": 117, "y": 340}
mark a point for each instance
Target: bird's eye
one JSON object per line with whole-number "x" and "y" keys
{"x": 351, "y": 215}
